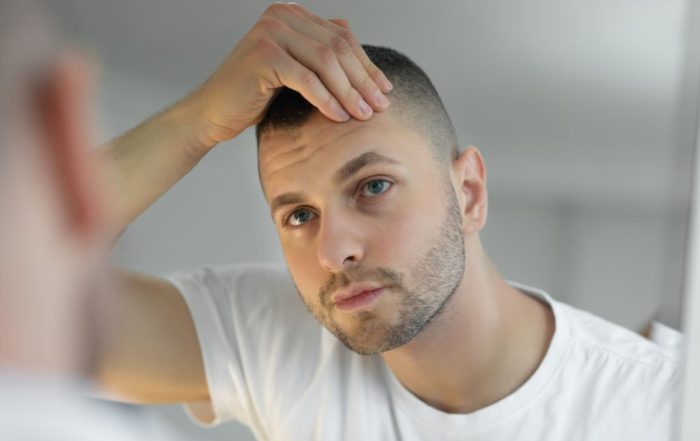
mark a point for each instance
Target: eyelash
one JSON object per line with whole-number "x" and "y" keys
{"x": 285, "y": 220}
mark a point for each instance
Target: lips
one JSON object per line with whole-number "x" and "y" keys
{"x": 362, "y": 300}
{"x": 354, "y": 290}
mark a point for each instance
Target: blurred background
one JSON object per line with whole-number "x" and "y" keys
{"x": 577, "y": 107}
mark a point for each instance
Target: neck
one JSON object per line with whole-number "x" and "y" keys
{"x": 487, "y": 342}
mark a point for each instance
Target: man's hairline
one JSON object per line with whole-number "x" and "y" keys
{"x": 430, "y": 145}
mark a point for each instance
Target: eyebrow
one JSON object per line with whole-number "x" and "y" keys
{"x": 344, "y": 173}
{"x": 355, "y": 165}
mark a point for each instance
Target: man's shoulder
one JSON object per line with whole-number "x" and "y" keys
{"x": 626, "y": 374}
{"x": 602, "y": 338}
{"x": 233, "y": 271}
{"x": 250, "y": 290}
{"x": 596, "y": 336}
{"x": 237, "y": 277}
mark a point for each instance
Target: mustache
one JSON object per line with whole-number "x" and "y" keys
{"x": 382, "y": 275}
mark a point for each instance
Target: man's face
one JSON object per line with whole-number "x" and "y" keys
{"x": 364, "y": 204}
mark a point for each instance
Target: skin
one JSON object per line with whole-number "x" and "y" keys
{"x": 449, "y": 327}
{"x": 458, "y": 339}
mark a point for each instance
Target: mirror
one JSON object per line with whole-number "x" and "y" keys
{"x": 578, "y": 110}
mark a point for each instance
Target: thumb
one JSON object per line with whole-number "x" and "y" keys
{"x": 340, "y": 22}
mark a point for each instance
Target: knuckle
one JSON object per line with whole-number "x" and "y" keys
{"x": 268, "y": 24}
{"x": 349, "y": 37}
{"x": 367, "y": 84}
{"x": 326, "y": 55}
{"x": 294, "y": 6}
{"x": 275, "y": 9}
{"x": 340, "y": 45}
{"x": 351, "y": 95}
{"x": 373, "y": 71}
{"x": 328, "y": 101}
{"x": 266, "y": 47}
{"x": 308, "y": 79}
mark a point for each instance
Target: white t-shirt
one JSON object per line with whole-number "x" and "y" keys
{"x": 270, "y": 365}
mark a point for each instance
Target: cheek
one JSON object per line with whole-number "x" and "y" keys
{"x": 304, "y": 269}
{"x": 403, "y": 236}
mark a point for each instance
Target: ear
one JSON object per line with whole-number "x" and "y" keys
{"x": 63, "y": 106}
{"x": 469, "y": 177}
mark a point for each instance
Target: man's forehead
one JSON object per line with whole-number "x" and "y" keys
{"x": 321, "y": 138}
{"x": 319, "y": 129}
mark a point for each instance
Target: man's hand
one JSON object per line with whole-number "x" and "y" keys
{"x": 289, "y": 46}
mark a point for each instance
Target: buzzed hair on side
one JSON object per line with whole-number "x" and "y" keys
{"x": 414, "y": 100}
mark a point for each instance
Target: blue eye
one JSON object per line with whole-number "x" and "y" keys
{"x": 375, "y": 187}
{"x": 300, "y": 216}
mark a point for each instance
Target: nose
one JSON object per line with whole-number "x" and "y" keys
{"x": 339, "y": 242}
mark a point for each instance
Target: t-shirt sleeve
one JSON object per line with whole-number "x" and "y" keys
{"x": 667, "y": 337}
{"x": 241, "y": 315}
{"x": 207, "y": 299}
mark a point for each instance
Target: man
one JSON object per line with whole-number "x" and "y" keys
{"x": 378, "y": 213}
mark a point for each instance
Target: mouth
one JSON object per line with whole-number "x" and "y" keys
{"x": 358, "y": 298}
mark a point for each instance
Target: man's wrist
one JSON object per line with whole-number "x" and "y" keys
{"x": 188, "y": 119}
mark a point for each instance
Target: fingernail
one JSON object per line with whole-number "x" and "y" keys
{"x": 386, "y": 84}
{"x": 342, "y": 114}
{"x": 380, "y": 100}
{"x": 364, "y": 108}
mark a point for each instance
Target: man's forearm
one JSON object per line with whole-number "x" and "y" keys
{"x": 149, "y": 159}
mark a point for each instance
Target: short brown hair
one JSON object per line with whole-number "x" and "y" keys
{"x": 414, "y": 99}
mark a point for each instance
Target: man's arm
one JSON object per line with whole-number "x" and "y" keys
{"x": 152, "y": 353}
{"x": 149, "y": 159}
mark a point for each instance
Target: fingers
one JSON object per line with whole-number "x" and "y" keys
{"x": 339, "y": 70}
{"x": 336, "y": 59}
{"x": 296, "y": 76}
{"x": 341, "y": 28}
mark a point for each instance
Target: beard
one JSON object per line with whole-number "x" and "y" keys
{"x": 434, "y": 281}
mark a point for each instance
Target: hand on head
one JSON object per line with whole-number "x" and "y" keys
{"x": 290, "y": 47}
